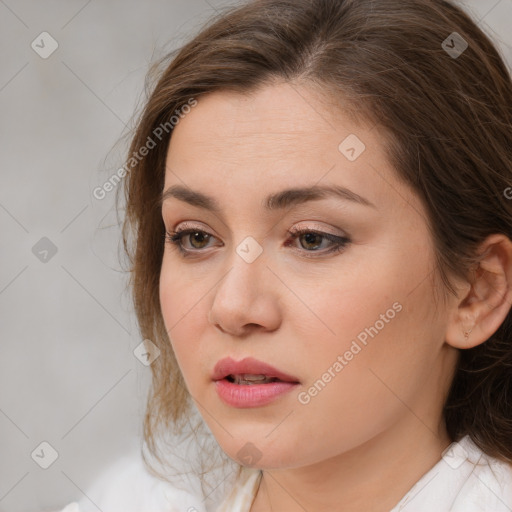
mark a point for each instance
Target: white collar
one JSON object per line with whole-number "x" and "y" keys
{"x": 464, "y": 480}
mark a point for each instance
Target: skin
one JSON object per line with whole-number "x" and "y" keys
{"x": 377, "y": 427}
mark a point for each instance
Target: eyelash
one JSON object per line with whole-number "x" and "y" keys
{"x": 340, "y": 242}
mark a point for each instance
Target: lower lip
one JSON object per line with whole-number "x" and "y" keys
{"x": 252, "y": 395}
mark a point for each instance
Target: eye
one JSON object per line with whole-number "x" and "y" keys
{"x": 313, "y": 241}
{"x": 194, "y": 236}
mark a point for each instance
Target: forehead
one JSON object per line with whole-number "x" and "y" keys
{"x": 273, "y": 115}
{"x": 280, "y": 135}
{"x": 278, "y": 123}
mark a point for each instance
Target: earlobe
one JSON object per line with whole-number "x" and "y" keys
{"x": 482, "y": 310}
{"x": 467, "y": 331}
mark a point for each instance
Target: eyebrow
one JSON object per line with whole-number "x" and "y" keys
{"x": 273, "y": 202}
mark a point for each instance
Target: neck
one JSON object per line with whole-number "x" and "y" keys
{"x": 371, "y": 477}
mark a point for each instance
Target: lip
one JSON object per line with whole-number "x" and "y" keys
{"x": 229, "y": 366}
{"x": 245, "y": 396}
{"x": 253, "y": 395}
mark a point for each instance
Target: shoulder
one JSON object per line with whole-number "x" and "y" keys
{"x": 464, "y": 480}
{"x": 488, "y": 486}
{"x": 126, "y": 485}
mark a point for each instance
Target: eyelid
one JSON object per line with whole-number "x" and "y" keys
{"x": 182, "y": 226}
{"x": 302, "y": 226}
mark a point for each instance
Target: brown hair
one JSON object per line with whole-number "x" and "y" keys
{"x": 447, "y": 122}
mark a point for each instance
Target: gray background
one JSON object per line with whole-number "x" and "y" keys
{"x": 68, "y": 373}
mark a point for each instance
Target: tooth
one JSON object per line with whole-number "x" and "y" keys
{"x": 249, "y": 378}
{"x": 253, "y": 377}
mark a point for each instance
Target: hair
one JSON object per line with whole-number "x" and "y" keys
{"x": 446, "y": 124}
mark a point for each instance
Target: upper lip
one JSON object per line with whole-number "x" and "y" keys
{"x": 229, "y": 366}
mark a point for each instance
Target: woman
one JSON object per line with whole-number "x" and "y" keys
{"x": 319, "y": 231}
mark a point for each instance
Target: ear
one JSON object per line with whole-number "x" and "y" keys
{"x": 483, "y": 308}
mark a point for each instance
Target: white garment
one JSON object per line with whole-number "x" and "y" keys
{"x": 464, "y": 480}
{"x": 127, "y": 486}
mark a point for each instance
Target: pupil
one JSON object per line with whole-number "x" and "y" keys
{"x": 200, "y": 235}
{"x": 310, "y": 238}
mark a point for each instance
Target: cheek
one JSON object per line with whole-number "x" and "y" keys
{"x": 361, "y": 325}
{"x": 184, "y": 315}
{"x": 348, "y": 306}
{"x": 369, "y": 331}
{"x": 182, "y": 293}
{"x": 352, "y": 390}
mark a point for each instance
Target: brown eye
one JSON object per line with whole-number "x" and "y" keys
{"x": 312, "y": 240}
{"x": 200, "y": 237}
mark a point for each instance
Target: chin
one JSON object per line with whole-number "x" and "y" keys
{"x": 258, "y": 452}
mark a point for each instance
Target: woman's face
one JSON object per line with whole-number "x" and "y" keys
{"x": 353, "y": 320}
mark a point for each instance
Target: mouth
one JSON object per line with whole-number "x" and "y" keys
{"x": 250, "y": 383}
{"x": 248, "y": 379}
{"x": 249, "y": 372}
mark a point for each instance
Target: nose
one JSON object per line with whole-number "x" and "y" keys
{"x": 246, "y": 299}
